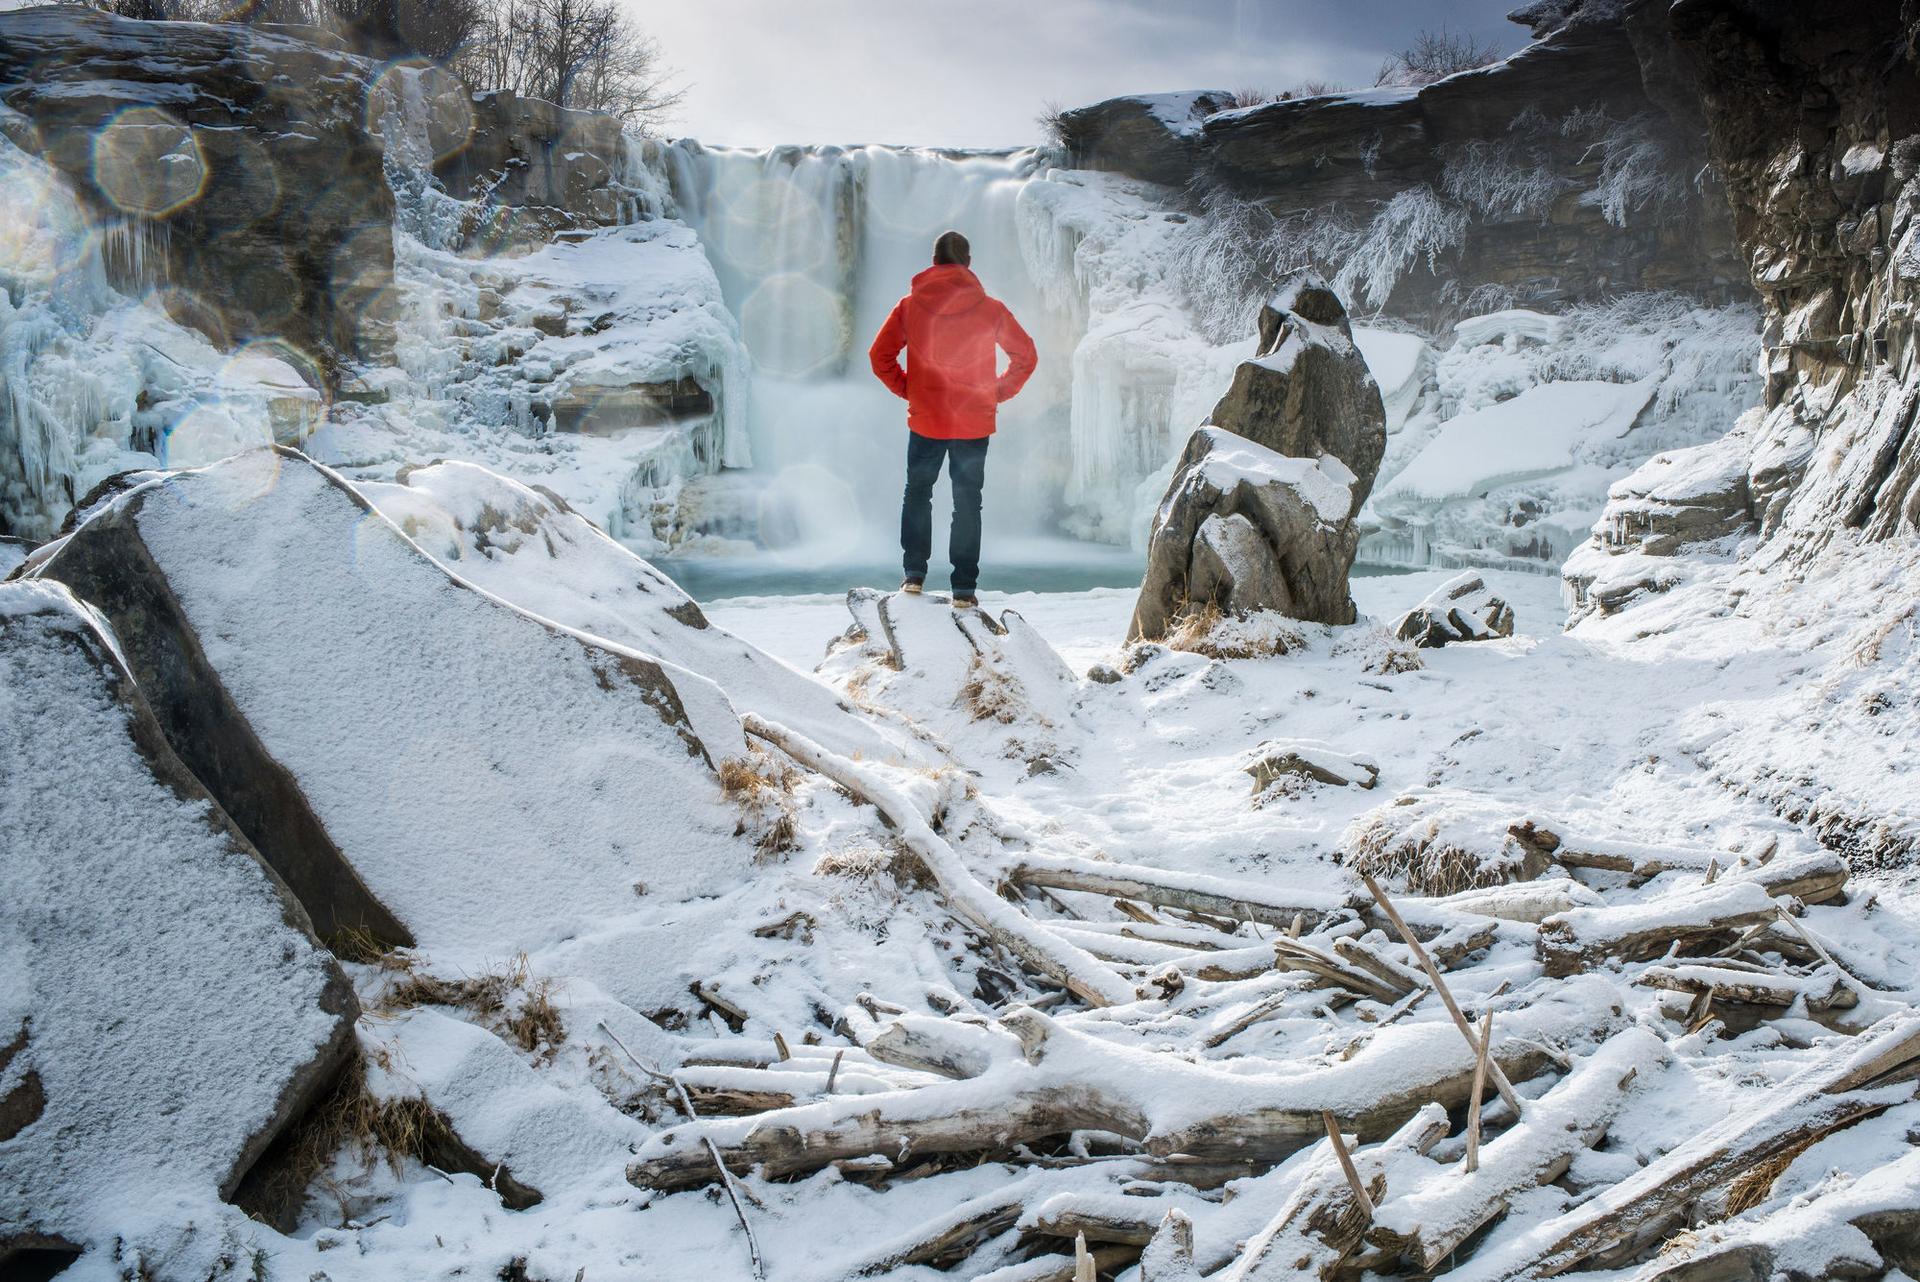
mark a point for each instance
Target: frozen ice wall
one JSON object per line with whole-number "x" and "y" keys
{"x": 813, "y": 246}
{"x": 95, "y": 376}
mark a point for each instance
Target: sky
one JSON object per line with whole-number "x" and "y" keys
{"x": 976, "y": 73}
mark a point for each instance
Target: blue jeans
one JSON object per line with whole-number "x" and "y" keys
{"x": 967, "y": 468}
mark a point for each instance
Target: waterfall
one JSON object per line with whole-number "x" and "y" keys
{"x": 813, "y": 246}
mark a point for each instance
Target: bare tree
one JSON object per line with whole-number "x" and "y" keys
{"x": 585, "y": 54}
{"x": 1435, "y": 55}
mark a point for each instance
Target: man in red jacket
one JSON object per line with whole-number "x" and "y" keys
{"x": 950, "y": 330}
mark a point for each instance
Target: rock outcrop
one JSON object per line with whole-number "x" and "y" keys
{"x": 1260, "y": 515}
{"x": 238, "y": 155}
{"x": 1150, "y": 136}
{"x": 1461, "y": 609}
{"x": 1308, "y": 391}
{"x": 1813, "y": 123}
{"x": 1550, "y": 178}
{"x": 1243, "y": 529}
{"x": 167, "y": 1011}
{"x": 418, "y": 760}
{"x": 249, "y": 165}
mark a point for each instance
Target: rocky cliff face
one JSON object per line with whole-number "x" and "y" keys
{"x": 1813, "y": 116}
{"x": 246, "y": 169}
{"x": 1548, "y": 179}
{"x": 1813, "y": 122}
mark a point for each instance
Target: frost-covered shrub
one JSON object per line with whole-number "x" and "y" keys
{"x": 1241, "y": 250}
{"x": 1637, "y": 175}
{"x": 1415, "y": 224}
{"x": 1502, "y": 177}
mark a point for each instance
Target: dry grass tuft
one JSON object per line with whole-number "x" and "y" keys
{"x": 762, "y": 786}
{"x": 1206, "y": 630}
{"x": 357, "y": 944}
{"x": 988, "y": 695}
{"x": 1436, "y": 845}
{"x": 511, "y": 1002}
{"x": 1753, "y": 1187}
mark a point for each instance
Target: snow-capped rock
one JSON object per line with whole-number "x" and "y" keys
{"x": 1244, "y": 529}
{"x": 1461, "y": 609}
{"x": 1307, "y": 392}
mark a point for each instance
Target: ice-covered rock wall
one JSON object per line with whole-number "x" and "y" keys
{"x": 220, "y": 236}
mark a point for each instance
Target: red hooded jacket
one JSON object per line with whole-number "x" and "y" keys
{"x": 950, "y": 328}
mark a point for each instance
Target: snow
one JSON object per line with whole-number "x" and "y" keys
{"x": 1325, "y": 483}
{"x": 1531, "y": 435}
{"x": 137, "y": 933}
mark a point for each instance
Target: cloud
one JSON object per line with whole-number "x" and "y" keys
{"x": 939, "y": 73}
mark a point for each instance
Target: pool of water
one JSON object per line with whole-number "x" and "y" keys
{"x": 1051, "y": 567}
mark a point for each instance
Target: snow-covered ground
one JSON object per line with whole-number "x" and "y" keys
{"x": 1590, "y": 733}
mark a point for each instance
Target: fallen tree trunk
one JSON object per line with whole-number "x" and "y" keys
{"x": 973, "y": 902}
{"x": 1234, "y": 900}
{"x": 1723, "y": 984}
{"x": 1070, "y": 1081}
{"x": 1430, "y": 1221}
{"x": 1840, "y": 1089}
{"x": 1575, "y": 941}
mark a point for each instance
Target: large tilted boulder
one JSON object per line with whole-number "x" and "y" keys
{"x": 1308, "y": 391}
{"x": 1244, "y": 529}
{"x": 417, "y": 758}
{"x": 1260, "y": 514}
{"x": 1461, "y": 609}
{"x": 530, "y": 548}
{"x": 164, "y": 1008}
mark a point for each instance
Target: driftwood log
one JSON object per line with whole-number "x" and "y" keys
{"x": 1868, "y": 1075}
{"x": 1431, "y": 1221}
{"x": 1067, "y": 1080}
{"x": 1574, "y": 941}
{"x": 1218, "y": 896}
{"x": 969, "y": 899}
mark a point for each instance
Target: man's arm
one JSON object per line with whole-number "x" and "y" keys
{"x": 884, "y": 355}
{"x": 1021, "y": 358}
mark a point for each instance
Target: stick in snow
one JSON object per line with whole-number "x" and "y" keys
{"x": 726, "y": 1176}
{"x": 1440, "y": 986}
{"x": 969, "y": 899}
{"x": 1346, "y": 1162}
{"x": 1479, "y": 1088}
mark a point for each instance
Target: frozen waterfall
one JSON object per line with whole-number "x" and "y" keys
{"x": 813, "y": 246}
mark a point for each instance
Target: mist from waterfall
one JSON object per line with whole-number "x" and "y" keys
{"x": 813, "y": 246}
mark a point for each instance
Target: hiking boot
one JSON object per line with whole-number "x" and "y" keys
{"x": 912, "y": 586}
{"x": 965, "y": 601}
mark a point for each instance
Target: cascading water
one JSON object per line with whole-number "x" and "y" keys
{"x": 813, "y": 247}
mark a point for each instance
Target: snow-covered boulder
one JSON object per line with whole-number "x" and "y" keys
{"x": 416, "y": 757}
{"x": 1680, "y": 503}
{"x": 1308, "y": 392}
{"x": 1243, "y": 529}
{"x": 164, "y": 1008}
{"x": 1461, "y": 609}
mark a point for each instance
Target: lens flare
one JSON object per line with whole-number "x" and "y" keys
{"x": 795, "y": 326}
{"x": 773, "y": 225}
{"x": 423, "y": 110}
{"x": 147, "y": 163}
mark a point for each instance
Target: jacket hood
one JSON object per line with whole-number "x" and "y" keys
{"x": 946, "y": 288}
